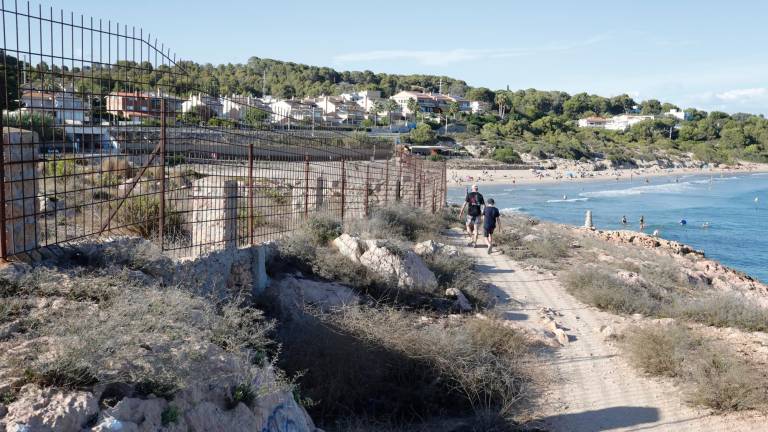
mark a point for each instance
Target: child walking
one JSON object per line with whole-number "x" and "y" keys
{"x": 490, "y": 222}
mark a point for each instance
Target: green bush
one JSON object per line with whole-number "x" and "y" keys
{"x": 506, "y": 155}
{"x": 241, "y": 393}
{"x": 169, "y": 415}
{"x": 323, "y": 228}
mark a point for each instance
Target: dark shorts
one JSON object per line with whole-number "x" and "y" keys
{"x": 489, "y": 229}
{"x": 473, "y": 220}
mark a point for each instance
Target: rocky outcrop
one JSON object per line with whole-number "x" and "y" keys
{"x": 201, "y": 407}
{"x": 383, "y": 258}
{"x": 48, "y": 410}
{"x": 647, "y": 241}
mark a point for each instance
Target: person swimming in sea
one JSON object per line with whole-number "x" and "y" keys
{"x": 624, "y": 220}
{"x": 683, "y": 222}
{"x": 642, "y": 222}
{"x": 705, "y": 225}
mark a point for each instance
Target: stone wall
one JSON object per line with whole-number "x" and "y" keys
{"x": 21, "y": 201}
{"x": 214, "y": 214}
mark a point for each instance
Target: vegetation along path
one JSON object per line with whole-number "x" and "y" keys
{"x": 591, "y": 388}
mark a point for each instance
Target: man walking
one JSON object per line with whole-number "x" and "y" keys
{"x": 474, "y": 204}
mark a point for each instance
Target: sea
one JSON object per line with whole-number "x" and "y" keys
{"x": 726, "y": 216}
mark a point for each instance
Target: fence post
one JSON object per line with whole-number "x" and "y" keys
{"x": 434, "y": 190}
{"x": 306, "y": 186}
{"x": 398, "y": 184}
{"x": 386, "y": 182}
{"x": 343, "y": 187}
{"x": 415, "y": 183}
{"x": 250, "y": 195}
{"x": 162, "y": 173}
{"x": 367, "y": 186}
{"x": 3, "y": 221}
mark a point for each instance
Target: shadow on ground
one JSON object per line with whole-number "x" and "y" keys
{"x": 602, "y": 419}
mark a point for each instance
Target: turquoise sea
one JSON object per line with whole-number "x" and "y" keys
{"x": 735, "y": 209}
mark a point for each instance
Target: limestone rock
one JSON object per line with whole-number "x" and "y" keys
{"x": 348, "y": 246}
{"x": 561, "y": 337}
{"x": 50, "y": 410}
{"x": 406, "y": 267}
{"x": 607, "y": 331}
{"x": 144, "y": 413}
{"x": 630, "y": 278}
{"x": 293, "y": 294}
{"x": 461, "y": 300}
{"x": 431, "y": 247}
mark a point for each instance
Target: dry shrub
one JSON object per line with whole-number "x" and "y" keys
{"x": 724, "y": 310}
{"x": 141, "y": 215}
{"x": 398, "y": 222}
{"x": 410, "y": 371}
{"x": 458, "y": 272}
{"x": 712, "y": 375}
{"x": 118, "y": 167}
{"x": 143, "y": 335}
{"x": 322, "y": 228}
{"x": 607, "y": 292}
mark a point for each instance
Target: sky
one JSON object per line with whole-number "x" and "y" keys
{"x": 704, "y": 54}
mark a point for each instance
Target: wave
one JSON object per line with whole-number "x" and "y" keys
{"x": 511, "y": 210}
{"x": 760, "y": 174}
{"x": 667, "y": 188}
{"x": 567, "y": 200}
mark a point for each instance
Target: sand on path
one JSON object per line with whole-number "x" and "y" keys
{"x": 592, "y": 387}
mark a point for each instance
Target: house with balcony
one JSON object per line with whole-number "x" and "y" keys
{"x": 63, "y": 106}
{"x": 288, "y": 110}
{"x": 197, "y": 100}
{"x": 348, "y": 111}
{"x": 593, "y": 122}
{"x": 234, "y": 107}
{"x": 137, "y": 106}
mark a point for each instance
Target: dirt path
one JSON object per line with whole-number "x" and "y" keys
{"x": 593, "y": 388}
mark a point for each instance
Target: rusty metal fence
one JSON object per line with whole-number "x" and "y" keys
{"x": 104, "y": 131}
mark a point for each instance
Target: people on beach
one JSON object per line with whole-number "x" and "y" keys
{"x": 474, "y": 203}
{"x": 490, "y": 222}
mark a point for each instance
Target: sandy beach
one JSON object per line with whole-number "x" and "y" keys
{"x": 580, "y": 173}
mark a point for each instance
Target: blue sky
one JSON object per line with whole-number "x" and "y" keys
{"x": 707, "y": 54}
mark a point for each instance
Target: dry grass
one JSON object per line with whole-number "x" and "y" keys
{"x": 411, "y": 371}
{"x": 663, "y": 297}
{"x": 400, "y": 222}
{"x": 605, "y": 291}
{"x": 104, "y": 323}
{"x": 458, "y": 272}
{"x": 711, "y": 375}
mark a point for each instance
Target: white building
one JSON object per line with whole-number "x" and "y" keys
{"x": 213, "y": 103}
{"x": 64, "y": 107}
{"x": 346, "y": 110}
{"x": 625, "y": 121}
{"x": 285, "y": 111}
{"x": 479, "y": 107}
{"x": 234, "y": 107}
{"x": 676, "y": 113}
{"x": 593, "y": 122}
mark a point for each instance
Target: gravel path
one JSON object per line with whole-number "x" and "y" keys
{"x": 592, "y": 387}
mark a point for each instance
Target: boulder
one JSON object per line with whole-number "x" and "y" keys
{"x": 349, "y": 246}
{"x": 462, "y": 303}
{"x": 293, "y": 294}
{"x": 51, "y": 410}
{"x": 406, "y": 267}
{"x": 431, "y": 247}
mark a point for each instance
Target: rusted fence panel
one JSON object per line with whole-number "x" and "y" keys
{"x": 104, "y": 132}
